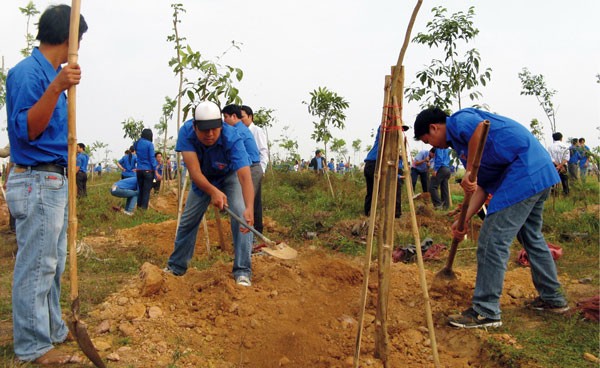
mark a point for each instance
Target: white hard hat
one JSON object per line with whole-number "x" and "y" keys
{"x": 207, "y": 115}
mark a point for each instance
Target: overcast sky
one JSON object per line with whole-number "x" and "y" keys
{"x": 289, "y": 48}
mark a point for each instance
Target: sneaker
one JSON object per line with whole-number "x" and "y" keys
{"x": 472, "y": 319}
{"x": 128, "y": 213}
{"x": 170, "y": 271}
{"x": 542, "y": 305}
{"x": 243, "y": 281}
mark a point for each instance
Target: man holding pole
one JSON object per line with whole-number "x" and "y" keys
{"x": 37, "y": 186}
{"x": 518, "y": 171}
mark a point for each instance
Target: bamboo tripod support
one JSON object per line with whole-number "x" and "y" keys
{"x": 372, "y": 217}
{"x": 415, "y": 229}
{"x": 394, "y": 88}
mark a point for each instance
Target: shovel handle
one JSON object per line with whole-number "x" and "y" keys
{"x": 244, "y": 224}
{"x": 465, "y": 205}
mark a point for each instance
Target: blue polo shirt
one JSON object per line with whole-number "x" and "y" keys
{"x": 127, "y": 183}
{"x": 249, "y": 142}
{"x": 82, "y": 162}
{"x": 145, "y": 155}
{"x": 129, "y": 163}
{"x": 441, "y": 159}
{"x": 227, "y": 155}
{"x": 514, "y": 165}
{"x": 25, "y": 84}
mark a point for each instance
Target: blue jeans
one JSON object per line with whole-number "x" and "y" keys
{"x": 195, "y": 207}
{"x": 131, "y": 196}
{"x": 523, "y": 220}
{"x": 38, "y": 201}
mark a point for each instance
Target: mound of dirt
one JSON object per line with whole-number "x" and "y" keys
{"x": 299, "y": 313}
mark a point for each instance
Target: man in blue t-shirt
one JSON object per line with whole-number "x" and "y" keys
{"x": 420, "y": 170}
{"x": 219, "y": 168}
{"x": 517, "y": 170}
{"x": 82, "y": 165}
{"x": 36, "y": 106}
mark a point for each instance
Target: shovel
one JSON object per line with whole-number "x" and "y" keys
{"x": 446, "y": 272}
{"x": 76, "y": 326}
{"x": 279, "y": 250}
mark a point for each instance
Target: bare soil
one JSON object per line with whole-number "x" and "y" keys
{"x": 297, "y": 313}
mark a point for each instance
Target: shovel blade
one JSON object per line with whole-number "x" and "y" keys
{"x": 281, "y": 250}
{"x": 446, "y": 274}
{"x": 79, "y": 331}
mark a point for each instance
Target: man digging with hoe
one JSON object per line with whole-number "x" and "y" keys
{"x": 518, "y": 171}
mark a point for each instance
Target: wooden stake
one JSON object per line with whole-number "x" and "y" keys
{"x": 372, "y": 217}
{"x": 415, "y": 229}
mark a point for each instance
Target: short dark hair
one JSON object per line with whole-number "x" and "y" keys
{"x": 556, "y": 136}
{"x": 232, "y": 109}
{"x": 81, "y": 145}
{"x": 574, "y": 141}
{"x": 53, "y": 27}
{"x": 581, "y": 140}
{"x": 432, "y": 115}
{"x": 247, "y": 110}
{"x": 157, "y": 153}
{"x": 317, "y": 152}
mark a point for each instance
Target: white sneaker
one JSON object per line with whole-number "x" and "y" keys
{"x": 243, "y": 281}
{"x": 128, "y": 213}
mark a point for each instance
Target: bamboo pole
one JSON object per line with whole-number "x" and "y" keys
{"x": 372, "y": 218}
{"x": 389, "y": 183}
{"x": 415, "y": 229}
{"x": 329, "y": 181}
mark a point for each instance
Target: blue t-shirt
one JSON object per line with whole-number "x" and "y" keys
{"x": 249, "y": 142}
{"x": 584, "y": 156}
{"x": 129, "y": 163}
{"x": 441, "y": 159}
{"x": 574, "y": 154}
{"x": 514, "y": 165}
{"x": 98, "y": 169}
{"x": 82, "y": 162}
{"x": 127, "y": 183}
{"x": 25, "y": 84}
{"x": 227, "y": 155}
{"x": 331, "y": 166}
{"x": 145, "y": 155}
{"x": 420, "y": 156}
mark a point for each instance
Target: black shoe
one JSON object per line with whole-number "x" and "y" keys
{"x": 472, "y": 319}
{"x": 542, "y": 305}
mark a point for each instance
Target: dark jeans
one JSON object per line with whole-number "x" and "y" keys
{"x": 156, "y": 186}
{"x": 423, "y": 175}
{"x": 369, "y": 173}
{"x": 439, "y": 182}
{"x": 564, "y": 179}
{"x": 144, "y": 179}
{"x": 81, "y": 181}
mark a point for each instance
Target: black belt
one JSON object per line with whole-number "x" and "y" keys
{"x": 46, "y": 167}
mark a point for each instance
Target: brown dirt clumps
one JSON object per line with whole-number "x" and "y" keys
{"x": 299, "y": 313}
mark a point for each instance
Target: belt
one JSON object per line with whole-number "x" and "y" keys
{"x": 46, "y": 167}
